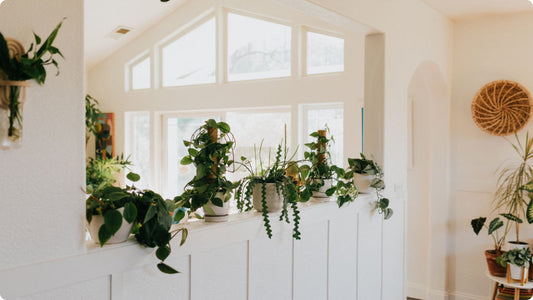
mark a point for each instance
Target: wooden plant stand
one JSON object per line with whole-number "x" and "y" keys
{"x": 513, "y": 284}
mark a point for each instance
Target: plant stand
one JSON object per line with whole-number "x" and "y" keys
{"x": 513, "y": 284}
{"x": 523, "y": 275}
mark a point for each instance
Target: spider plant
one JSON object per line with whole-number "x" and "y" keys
{"x": 510, "y": 195}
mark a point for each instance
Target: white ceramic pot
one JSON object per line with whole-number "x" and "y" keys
{"x": 274, "y": 200}
{"x": 120, "y": 236}
{"x": 363, "y": 181}
{"x": 516, "y": 271}
{"x": 320, "y": 195}
{"x": 515, "y": 245}
{"x": 221, "y": 214}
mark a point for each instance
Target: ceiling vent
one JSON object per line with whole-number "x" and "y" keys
{"x": 119, "y": 32}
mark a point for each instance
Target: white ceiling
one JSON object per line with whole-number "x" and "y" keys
{"x": 102, "y": 16}
{"x": 457, "y": 9}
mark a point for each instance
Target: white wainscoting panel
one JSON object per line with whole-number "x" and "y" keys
{"x": 339, "y": 257}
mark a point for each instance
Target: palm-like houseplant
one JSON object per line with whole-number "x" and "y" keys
{"x": 209, "y": 151}
{"x": 270, "y": 188}
{"x": 322, "y": 178}
{"x": 17, "y": 67}
{"x": 511, "y": 196}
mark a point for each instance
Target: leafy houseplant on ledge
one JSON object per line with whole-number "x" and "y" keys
{"x": 271, "y": 189}
{"x": 510, "y": 195}
{"x": 519, "y": 261}
{"x": 209, "y": 152}
{"x": 148, "y": 214}
{"x": 495, "y": 268}
{"x": 368, "y": 174}
{"x": 323, "y": 179}
{"x": 16, "y": 68}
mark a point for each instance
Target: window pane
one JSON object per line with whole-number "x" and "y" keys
{"x": 250, "y": 128}
{"x": 140, "y": 75}
{"x": 179, "y": 129}
{"x": 191, "y": 59}
{"x": 139, "y": 148}
{"x": 257, "y": 49}
{"x": 325, "y": 53}
{"x": 316, "y": 117}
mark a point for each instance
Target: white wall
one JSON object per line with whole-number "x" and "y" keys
{"x": 42, "y": 215}
{"x": 485, "y": 49}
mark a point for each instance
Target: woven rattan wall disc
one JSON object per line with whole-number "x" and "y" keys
{"x": 502, "y": 107}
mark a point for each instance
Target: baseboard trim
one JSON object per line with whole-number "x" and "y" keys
{"x": 417, "y": 291}
{"x": 465, "y": 296}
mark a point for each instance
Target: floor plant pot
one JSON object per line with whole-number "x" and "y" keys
{"x": 320, "y": 195}
{"x": 12, "y": 97}
{"x": 221, "y": 214}
{"x": 363, "y": 181}
{"x": 274, "y": 200}
{"x": 120, "y": 236}
{"x": 495, "y": 269}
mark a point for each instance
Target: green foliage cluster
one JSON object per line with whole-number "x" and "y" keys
{"x": 492, "y": 228}
{"x": 92, "y": 113}
{"x": 147, "y": 210}
{"x": 519, "y": 257}
{"x": 30, "y": 65}
{"x": 210, "y": 153}
{"x": 101, "y": 172}
{"x": 286, "y": 187}
{"x": 370, "y": 167}
{"x": 314, "y": 175}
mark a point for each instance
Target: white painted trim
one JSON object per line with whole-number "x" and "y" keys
{"x": 416, "y": 290}
{"x": 464, "y": 296}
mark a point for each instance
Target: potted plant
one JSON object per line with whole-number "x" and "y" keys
{"x": 365, "y": 171}
{"x": 16, "y": 68}
{"x": 92, "y": 113}
{"x": 270, "y": 189}
{"x": 495, "y": 268}
{"x": 518, "y": 261}
{"x": 368, "y": 174}
{"x": 102, "y": 172}
{"x": 322, "y": 179}
{"x": 209, "y": 151}
{"x": 511, "y": 196}
{"x": 146, "y": 214}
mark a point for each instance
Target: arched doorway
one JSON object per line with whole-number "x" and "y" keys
{"x": 427, "y": 182}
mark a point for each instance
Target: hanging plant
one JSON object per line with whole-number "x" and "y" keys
{"x": 17, "y": 67}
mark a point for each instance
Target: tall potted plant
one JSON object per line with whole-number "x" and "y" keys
{"x": 322, "y": 179}
{"x": 209, "y": 151}
{"x": 510, "y": 195}
{"x": 16, "y": 68}
{"x": 270, "y": 189}
{"x": 498, "y": 239}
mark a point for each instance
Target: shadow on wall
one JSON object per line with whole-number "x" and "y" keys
{"x": 427, "y": 182}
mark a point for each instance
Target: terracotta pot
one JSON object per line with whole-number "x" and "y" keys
{"x": 494, "y": 268}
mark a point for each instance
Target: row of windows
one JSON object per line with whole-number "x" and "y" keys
{"x": 256, "y": 49}
{"x": 251, "y": 127}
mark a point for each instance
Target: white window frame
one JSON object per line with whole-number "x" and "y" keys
{"x": 304, "y": 50}
{"x": 128, "y": 73}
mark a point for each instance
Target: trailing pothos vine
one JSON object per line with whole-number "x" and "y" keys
{"x": 370, "y": 167}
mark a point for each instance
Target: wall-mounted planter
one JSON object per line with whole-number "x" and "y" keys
{"x": 12, "y": 98}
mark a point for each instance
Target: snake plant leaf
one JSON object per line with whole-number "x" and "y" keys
{"x": 512, "y": 217}
{"x": 166, "y": 268}
{"x": 477, "y": 224}
{"x": 495, "y": 225}
{"x": 529, "y": 212}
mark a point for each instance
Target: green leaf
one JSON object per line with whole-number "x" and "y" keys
{"x": 179, "y": 215}
{"x": 37, "y": 38}
{"x": 243, "y": 158}
{"x": 192, "y": 152}
{"x": 133, "y": 177}
{"x": 208, "y": 210}
{"x": 388, "y": 213}
{"x": 103, "y": 235}
{"x": 130, "y": 212}
{"x": 150, "y": 213}
{"x": 162, "y": 252}
{"x": 184, "y": 235}
{"x": 477, "y": 224}
{"x": 224, "y": 127}
{"x": 512, "y": 217}
{"x": 529, "y": 212}
{"x": 166, "y": 268}
{"x": 217, "y": 201}
{"x": 112, "y": 221}
{"x": 495, "y": 225}
{"x": 384, "y": 203}
{"x": 211, "y": 123}
{"x": 314, "y": 134}
{"x": 187, "y": 160}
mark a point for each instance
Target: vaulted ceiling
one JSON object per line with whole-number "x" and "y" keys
{"x": 457, "y": 9}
